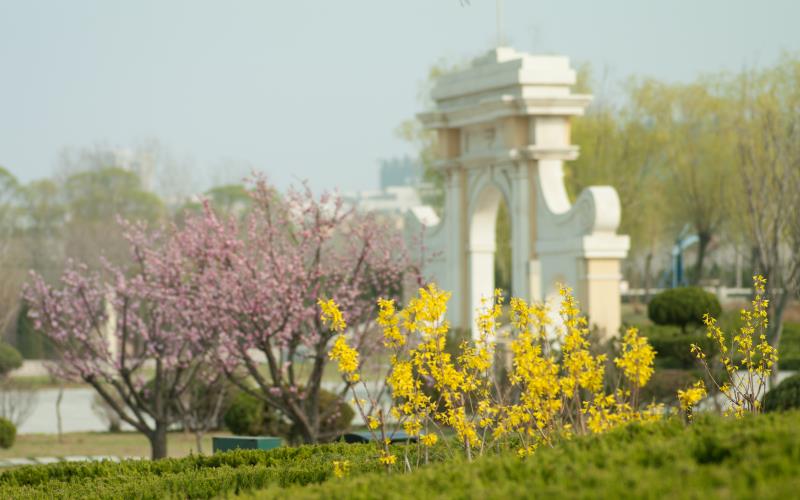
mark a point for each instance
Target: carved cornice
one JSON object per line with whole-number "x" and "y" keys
{"x": 506, "y": 106}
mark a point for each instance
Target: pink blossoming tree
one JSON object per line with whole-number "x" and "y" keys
{"x": 124, "y": 331}
{"x": 256, "y": 285}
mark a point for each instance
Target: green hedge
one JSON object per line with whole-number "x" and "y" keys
{"x": 673, "y": 345}
{"x": 196, "y": 476}
{"x": 786, "y": 396}
{"x": 713, "y": 458}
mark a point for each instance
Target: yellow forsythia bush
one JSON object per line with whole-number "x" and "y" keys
{"x": 555, "y": 386}
{"x": 747, "y": 359}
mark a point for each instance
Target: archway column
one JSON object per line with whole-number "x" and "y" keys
{"x": 524, "y": 264}
{"x": 455, "y": 246}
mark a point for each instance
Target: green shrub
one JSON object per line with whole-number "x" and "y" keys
{"x": 245, "y": 415}
{"x": 339, "y": 414}
{"x": 785, "y": 396}
{"x": 31, "y": 343}
{"x": 249, "y": 416}
{"x": 10, "y": 359}
{"x": 664, "y": 384}
{"x": 682, "y": 306}
{"x": 8, "y": 433}
{"x": 673, "y": 345}
{"x": 789, "y": 349}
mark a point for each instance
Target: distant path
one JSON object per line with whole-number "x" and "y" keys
{"x": 76, "y": 412}
{"x": 19, "y": 462}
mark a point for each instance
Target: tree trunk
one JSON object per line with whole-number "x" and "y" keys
{"x": 702, "y": 246}
{"x": 158, "y": 441}
{"x": 648, "y": 264}
{"x": 198, "y": 437}
{"x": 307, "y": 435}
{"x": 59, "y": 425}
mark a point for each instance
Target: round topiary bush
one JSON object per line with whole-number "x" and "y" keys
{"x": 245, "y": 415}
{"x": 339, "y": 414}
{"x": 682, "y": 306}
{"x": 10, "y": 359}
{"x": 785, "y": 396}
{"x": 8, "y": 433}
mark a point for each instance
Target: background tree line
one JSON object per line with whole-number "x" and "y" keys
{"x": 74, "y": 216}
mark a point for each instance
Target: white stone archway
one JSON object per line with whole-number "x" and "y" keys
{"x": 503, "y": 129}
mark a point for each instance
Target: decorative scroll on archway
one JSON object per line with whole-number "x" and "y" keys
{"x": 504, "y": 133}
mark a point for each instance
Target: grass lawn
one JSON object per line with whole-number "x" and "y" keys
{"x": 122, "y": 444}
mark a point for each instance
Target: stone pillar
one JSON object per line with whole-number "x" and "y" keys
{"x": 601, "y": 284}
{"x": 523, "y": 228}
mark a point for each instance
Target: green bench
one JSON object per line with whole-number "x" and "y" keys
{"x": 226, "y": 443}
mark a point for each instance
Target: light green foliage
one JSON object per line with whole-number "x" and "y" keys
{"x": 712, "y": 458}
{"x": 754, "y": 457}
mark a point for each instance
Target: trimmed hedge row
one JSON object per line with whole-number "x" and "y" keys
{"x": 713, "y": 458}
{"x": 751, "y": 458}
{"x": 197, "y": 476}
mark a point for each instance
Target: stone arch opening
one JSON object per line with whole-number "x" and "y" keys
{"x": 483, "y": 246}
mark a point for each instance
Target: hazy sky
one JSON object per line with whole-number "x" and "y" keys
{"x": 314, "y": 89}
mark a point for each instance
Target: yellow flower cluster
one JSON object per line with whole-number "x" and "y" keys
{"x": 636, "y": 360}
{"x": 331, "y": 315}
{"x": 387, "y": 318}
{"x": 429, "y": 439}
{"x": 373, "y": 423}
{"x": 347, "y": 357}
{"x": 691, "y": 396}
{"x": 341, "y": 468}
{"x": 387, "y": 458}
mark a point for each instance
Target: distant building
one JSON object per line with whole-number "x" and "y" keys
{"x": 400, "y": 171}
{"x": 400, "y": 179}
{"x": 392, "y": 200}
